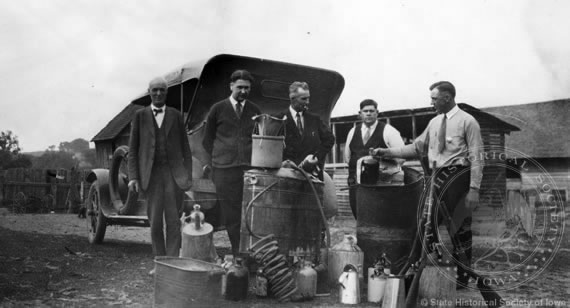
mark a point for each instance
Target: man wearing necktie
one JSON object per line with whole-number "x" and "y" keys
{"x": 453, "y": 141}
{"x": 371, "y": 133}
{"x": 227, "y": 140}
{"x": 308, "y": 139}
{"x": 160, "y": 167}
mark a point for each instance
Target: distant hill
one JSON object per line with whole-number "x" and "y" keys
{"x": 34, "y": 154}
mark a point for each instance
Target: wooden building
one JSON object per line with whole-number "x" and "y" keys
{"x": 543, "y": 142}
{"x": 411, "y": 123}
{"x": 113, "y": 135}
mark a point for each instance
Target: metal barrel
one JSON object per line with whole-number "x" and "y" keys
{"x": 281, "y": 202}
{"x": 387, "y": 218}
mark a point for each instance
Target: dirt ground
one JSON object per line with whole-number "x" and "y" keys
{"x": 46, "y": 260}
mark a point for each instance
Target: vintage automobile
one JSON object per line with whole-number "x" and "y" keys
{"x": 193, "y": 89}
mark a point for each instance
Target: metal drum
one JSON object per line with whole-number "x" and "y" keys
{"x": 281, "y": 202}
{"x": 387, "y": 218}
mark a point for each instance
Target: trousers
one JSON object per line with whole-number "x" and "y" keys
{"x": 450, "y": 187}
{"x": 229, "y": 188}
{"x": 164, "y": 204}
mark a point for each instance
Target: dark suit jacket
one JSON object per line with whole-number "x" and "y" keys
{"x": 142, "y": 147}
{"x": 227, "y": 138}
{"x": 317, "y": 138}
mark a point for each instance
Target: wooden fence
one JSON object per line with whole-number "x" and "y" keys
{"x": 53, "y": 190}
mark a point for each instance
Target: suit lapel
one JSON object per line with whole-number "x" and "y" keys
{"x": 149, "y": 118}
{"x": 292, "y": 125}
{"x": 167, "y": 121}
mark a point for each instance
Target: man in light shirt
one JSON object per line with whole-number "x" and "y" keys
{"x": 369, "y": 134}
{"x": 453, "y": 141}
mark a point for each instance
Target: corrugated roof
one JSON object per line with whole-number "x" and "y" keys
{"x": 429, "y": 112}
{"x": 117, "y": 124}
{"x": 543, "y": 127}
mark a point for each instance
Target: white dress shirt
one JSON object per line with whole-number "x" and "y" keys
{"x": 294, "y": 116}
{"x": 391, "y": 137}
{"x": 159, "y": 117}
{"x": 234, "y": 104}
{"x": 463, "y": 144}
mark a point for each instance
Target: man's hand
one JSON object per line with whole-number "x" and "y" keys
{"x": 134, "y": 185}
{"x": 472, "y": 199}
{"x": 207, "y": 171}
{"x": 311, "y": 159}
{"x": 378, "y": 152}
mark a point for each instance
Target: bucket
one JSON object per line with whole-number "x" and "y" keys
{"x": 267, "y": 151}
{"x": 387, "y": 218}
{"x": 183, "y": 282}
{"x": 281, "y": 202}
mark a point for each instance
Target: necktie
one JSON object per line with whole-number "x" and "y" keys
{"x": 441, "y": 135}
{"x": 157, "y": 111}
{"x": 238, "y": 109}
{"x": 299, "y": 123}
{"x": 366, "y": 136}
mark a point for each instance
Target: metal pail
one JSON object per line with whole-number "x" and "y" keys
{"x": 387, "y": 218}
{"x": 267, "y": 151}
{"x": 184, "y": 282}
{"x": 281, "y": 202}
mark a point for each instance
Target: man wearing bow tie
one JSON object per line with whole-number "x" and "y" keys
{"x": 227, "y": 138}
{"x": 308, "y": 139}
{"x": 160, "y": 166}
{"x": 452, "y": 140}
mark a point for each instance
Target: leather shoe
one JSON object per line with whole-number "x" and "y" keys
{"x": 151, "y": 273}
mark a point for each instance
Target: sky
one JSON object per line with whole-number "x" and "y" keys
{"x": 69, "y": 66}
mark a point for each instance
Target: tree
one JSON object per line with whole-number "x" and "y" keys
{"x": 78, "y": 145}
{"x": 9, "y": 149}
{"x": 54, "y": 160}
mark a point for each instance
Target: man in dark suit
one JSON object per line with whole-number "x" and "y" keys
{"x": 227, "y": 139}
{"x": 308, "y": 139}
{"x": 160, "y": 166}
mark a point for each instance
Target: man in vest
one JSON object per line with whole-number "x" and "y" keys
{"x": 227, "y": 139}
{"x": 369, "y": 134}
{"x": 452, "y": 140}
{"x": 160, "y": 166}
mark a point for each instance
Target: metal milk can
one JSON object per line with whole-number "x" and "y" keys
{"x": 197, "y": 237}
{"x": 349, "y": 289}
{"x": 367, "y": 170}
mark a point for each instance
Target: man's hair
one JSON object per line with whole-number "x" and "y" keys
{"x": 444, "y": 86}
{"x": 297, "y": 85}
{"x": 241, "y": 74}
{"x": 158, "y": 80}
{"x": 368, "y": 102}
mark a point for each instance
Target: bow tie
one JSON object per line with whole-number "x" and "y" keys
{"x": 156, "y": 111}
